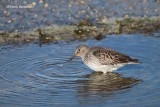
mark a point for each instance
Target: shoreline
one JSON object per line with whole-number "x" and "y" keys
{"x": 83, "y": 30}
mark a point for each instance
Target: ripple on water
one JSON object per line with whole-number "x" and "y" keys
{"x": 40, "y": 76}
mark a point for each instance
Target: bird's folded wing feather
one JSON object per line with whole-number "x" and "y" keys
{"x": 108, "y": 56}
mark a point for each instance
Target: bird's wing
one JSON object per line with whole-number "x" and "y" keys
{"x": 107, "y": 56}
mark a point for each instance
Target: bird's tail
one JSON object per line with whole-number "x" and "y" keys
{"x": 135, "y": 61}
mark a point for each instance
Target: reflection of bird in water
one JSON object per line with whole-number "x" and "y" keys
{"x": 102, "y": 59}
{"x": 108, "y": 82}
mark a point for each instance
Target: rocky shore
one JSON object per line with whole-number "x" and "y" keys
{"x": 83, "y": 30}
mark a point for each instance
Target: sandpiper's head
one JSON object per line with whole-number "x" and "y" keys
{"x": 80, "y": 51}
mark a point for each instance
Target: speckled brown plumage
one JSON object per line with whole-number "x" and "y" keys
{"x": 108, "y": 56}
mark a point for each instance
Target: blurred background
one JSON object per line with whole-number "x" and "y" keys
{"x": 22, "y": 15}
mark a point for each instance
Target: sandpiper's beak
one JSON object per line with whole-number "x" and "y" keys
{"x": 75, "y": 54}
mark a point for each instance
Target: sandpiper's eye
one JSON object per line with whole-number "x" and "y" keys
{"x": 78, "y": 50}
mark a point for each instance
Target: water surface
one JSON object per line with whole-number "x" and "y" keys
{"x": 38, "y": 76}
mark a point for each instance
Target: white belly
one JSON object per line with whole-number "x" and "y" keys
{"x": 104, "y": 68}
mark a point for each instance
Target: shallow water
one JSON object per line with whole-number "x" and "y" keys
{"x": 38, "y": 76}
